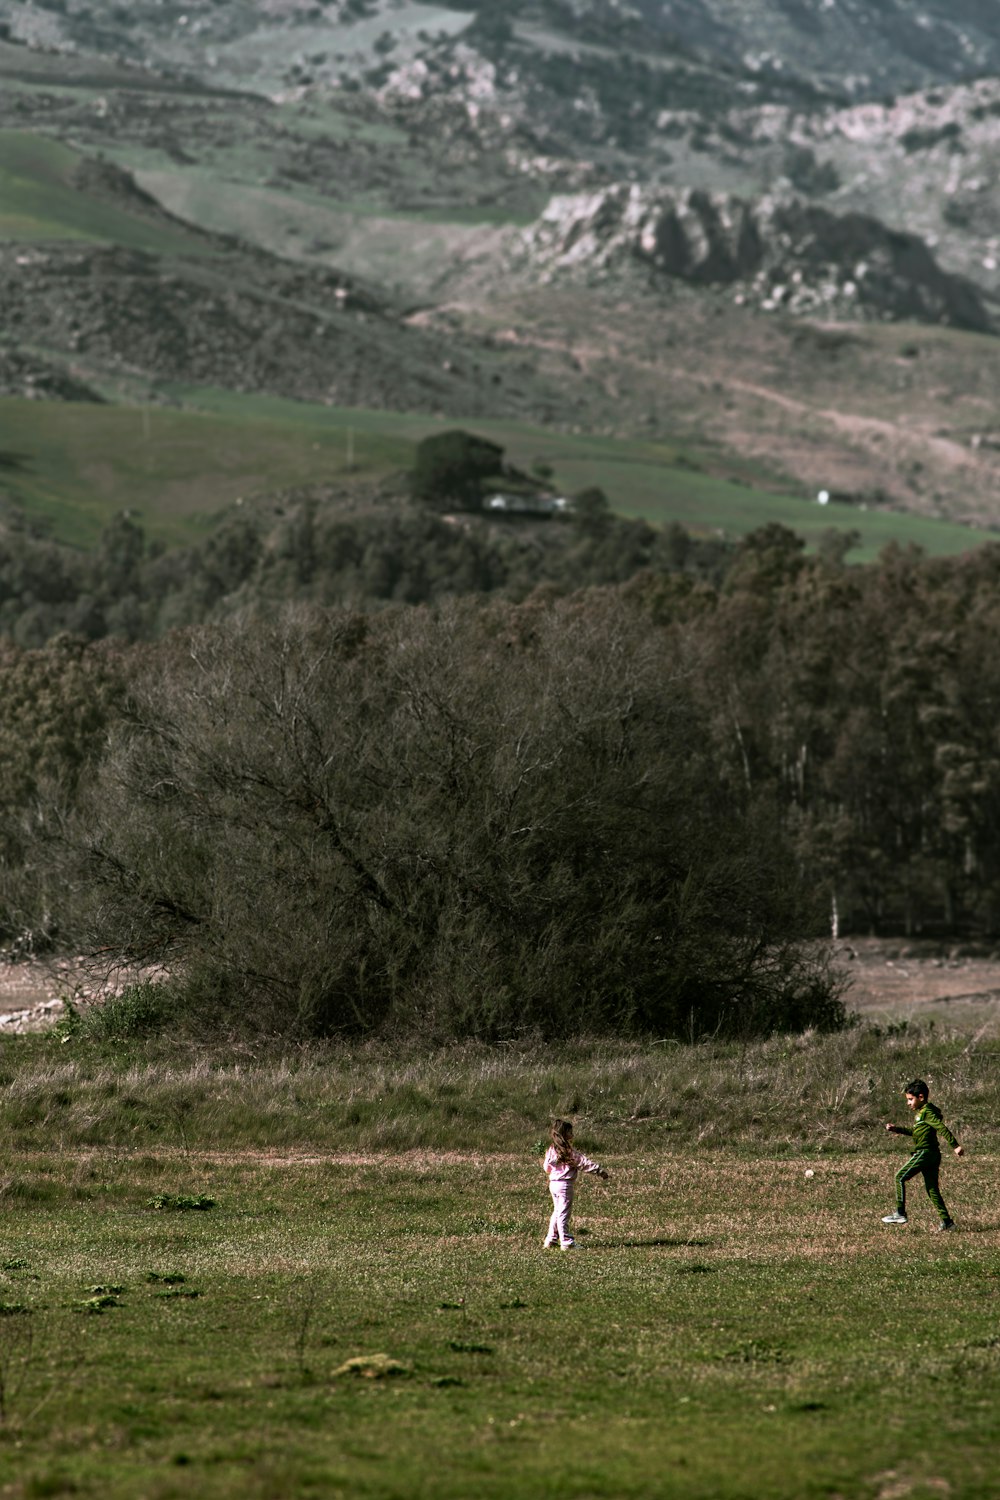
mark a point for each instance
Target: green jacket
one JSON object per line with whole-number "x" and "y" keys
{"x": 928, "y": 1123}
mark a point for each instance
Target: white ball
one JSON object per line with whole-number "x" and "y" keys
{"x": 810, "y": 1172}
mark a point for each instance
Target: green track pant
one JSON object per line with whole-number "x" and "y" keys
{"x": 926, "y": 1164}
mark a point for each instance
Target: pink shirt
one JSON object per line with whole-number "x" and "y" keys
{"x": 565, "y": 1171}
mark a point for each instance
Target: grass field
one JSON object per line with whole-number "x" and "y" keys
{"x": 727, "y": 1326}
{"x": 77, "y": 465}
{"x": 80, "y": 464}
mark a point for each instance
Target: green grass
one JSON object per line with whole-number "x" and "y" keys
{"x": 82, "y": 464}
{"x": 320, "y": 118}
{"x": 201, "y": 196}
{"x": 656, "y": 481}
{"x": 727, "y": 1328}
{"x": 39, "y": 201}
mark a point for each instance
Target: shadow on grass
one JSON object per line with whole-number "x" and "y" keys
{"x": 660, "y": 1244}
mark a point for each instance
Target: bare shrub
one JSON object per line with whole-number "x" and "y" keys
{"x": 467, "y": 822}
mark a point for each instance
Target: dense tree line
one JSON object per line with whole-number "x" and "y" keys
{"x": 313, "y": 546}
{"x": 626, "y": 806}
{"x": 470, "y": 820}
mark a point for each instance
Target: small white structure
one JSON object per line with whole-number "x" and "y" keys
{"x": 528, "y": 505}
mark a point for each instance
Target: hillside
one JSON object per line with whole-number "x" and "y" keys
{"x": 778, "y": 253}
{"x": 860, "y": 49}
{"x": 178, "y": 472}
{"x": 635, "y": 221}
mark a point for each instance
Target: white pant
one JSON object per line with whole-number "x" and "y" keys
{"x": 562, "y": 1203}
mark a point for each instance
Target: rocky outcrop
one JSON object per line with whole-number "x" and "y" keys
{"x": 776, "y": 253}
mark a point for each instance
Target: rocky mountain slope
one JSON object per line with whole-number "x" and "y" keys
{"x": 849, "y": 48}
{"x": 774, "y": 253}
{"x": 81, "y": 320}
{"x": 453, "y": 108}
{"x": 693, "y": 175}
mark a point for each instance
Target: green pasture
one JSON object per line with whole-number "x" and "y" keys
{"x": 76, "y": 465}
{"x": 189, "y": 1305}
{"x": 662, "y": 484}
{"x": 659, "y": 482}
{"x": 40, "y": 200}
{"x": 361, "y": 236}
{"x": 218, "y": 199}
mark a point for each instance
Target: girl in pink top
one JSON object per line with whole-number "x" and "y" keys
{"x": 562, "y": 1163}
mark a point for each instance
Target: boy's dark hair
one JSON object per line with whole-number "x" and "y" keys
{"x": 916, "y": 1088}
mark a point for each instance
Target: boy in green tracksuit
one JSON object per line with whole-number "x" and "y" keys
{"x": 928, "y": 1124}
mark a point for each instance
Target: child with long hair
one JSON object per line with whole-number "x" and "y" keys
{"x": 562, "y": 1163}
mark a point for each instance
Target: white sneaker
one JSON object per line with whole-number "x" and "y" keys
{"x": 569, "y": 1245}
{"x": 894, "y": 1219}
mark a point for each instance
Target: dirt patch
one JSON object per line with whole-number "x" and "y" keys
{"x": 34, "y": 991}
{"x": 907, "y": 977}
{"x": 28, "y": 984}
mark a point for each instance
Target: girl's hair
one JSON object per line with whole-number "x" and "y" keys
{"x": 562, "y": 1140}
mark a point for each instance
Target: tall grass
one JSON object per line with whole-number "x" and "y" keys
{"x": 783, "y": 1096}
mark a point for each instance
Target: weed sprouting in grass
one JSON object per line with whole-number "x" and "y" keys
{"x": 303, "y": 1311}
{"x": 755, "y": 1353}
{"x": 99, "y": 1303}
{"x": 138, "y": 1010}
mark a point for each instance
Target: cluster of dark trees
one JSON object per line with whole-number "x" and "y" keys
{"x": 632, "y": 807}
{"x": 469, "y": 820}
{"x": 321, "y": 547}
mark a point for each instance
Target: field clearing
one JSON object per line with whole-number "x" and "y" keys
{"x": 914, "y": 981}
{"x": 81, "y": 464}
{"x": 692, "y": 1344}
{"x": 198, "y": 1241}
